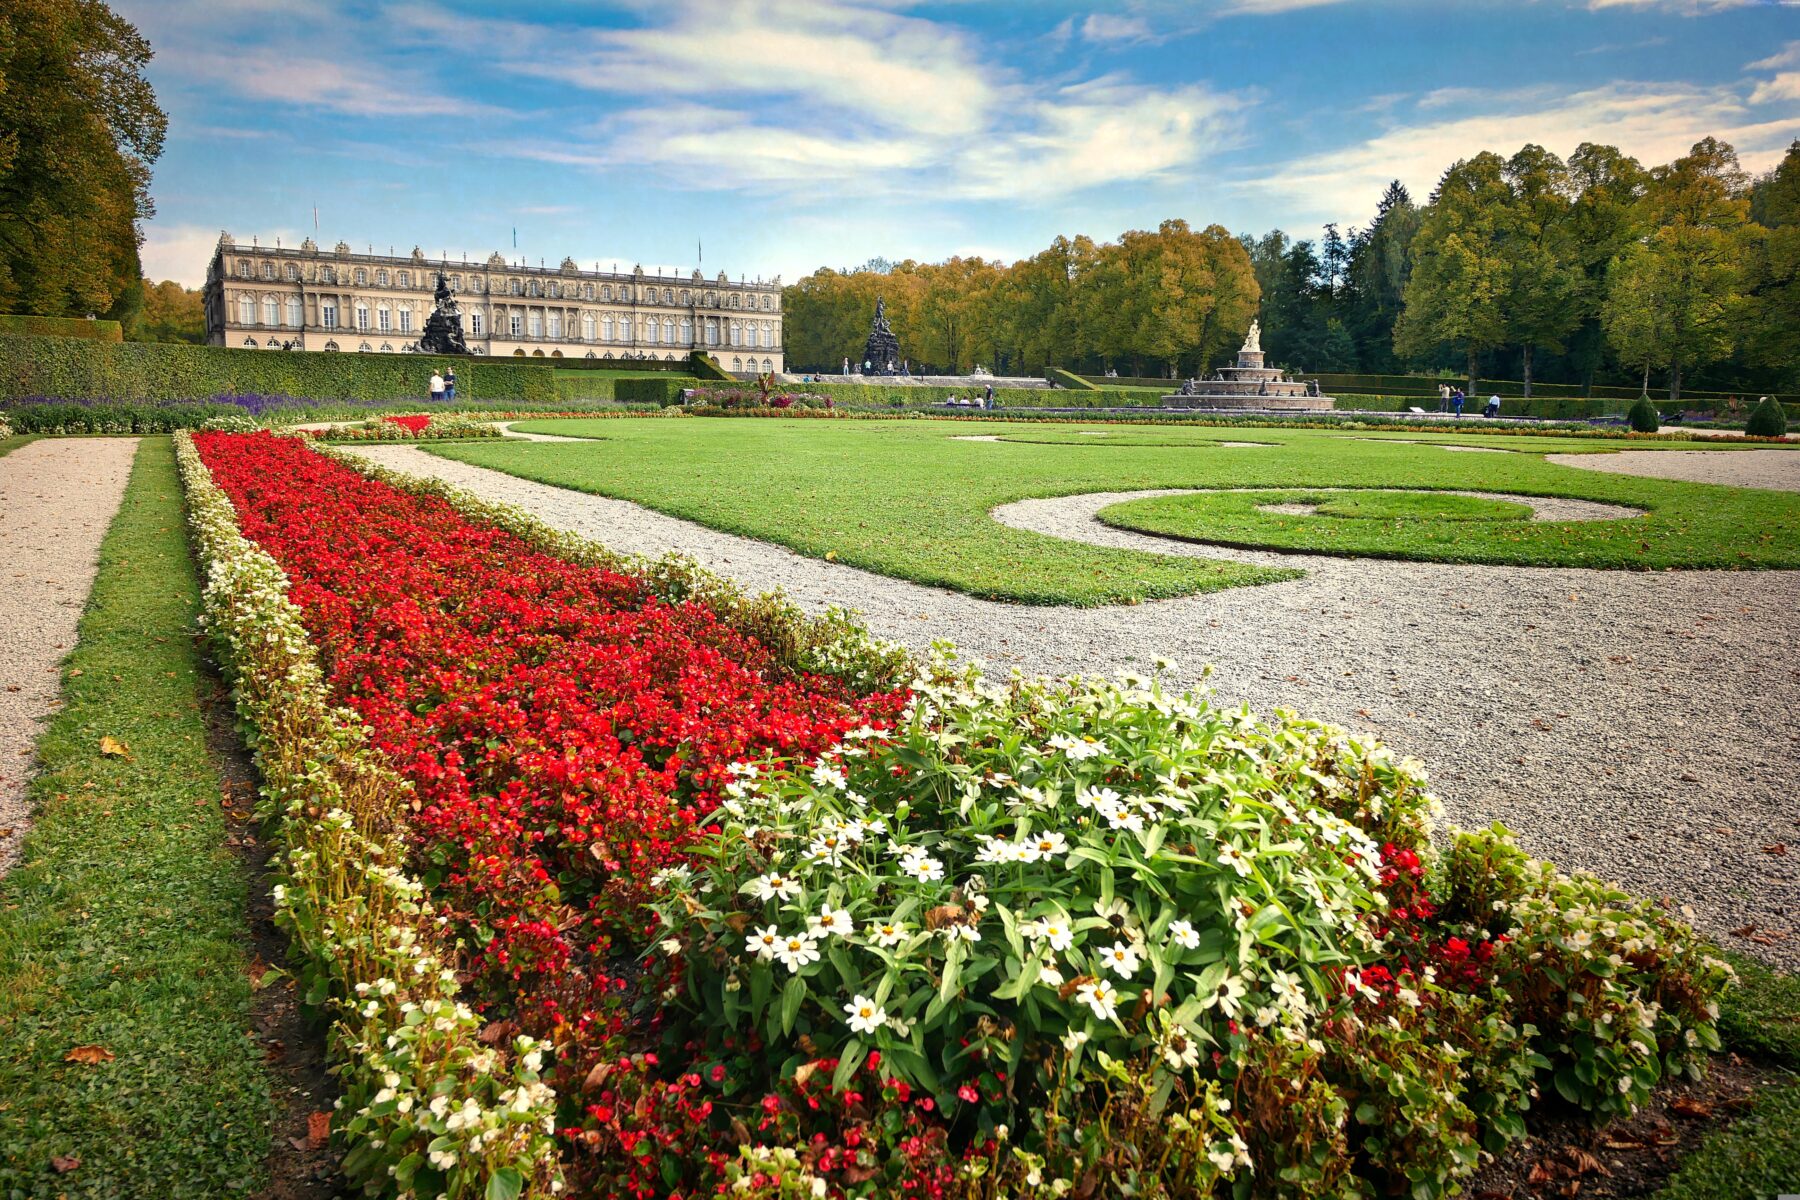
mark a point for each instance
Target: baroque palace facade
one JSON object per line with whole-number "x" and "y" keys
{"x": 276, "y": 298}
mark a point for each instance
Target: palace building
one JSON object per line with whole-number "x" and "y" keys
{"x": 276, "y": 298}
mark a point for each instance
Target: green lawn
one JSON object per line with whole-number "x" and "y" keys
{"x": 9, "y": 444}
{"x": 122, "y": 927}
{"x": 906, "y": 498}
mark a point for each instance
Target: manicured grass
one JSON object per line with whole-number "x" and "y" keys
{"x": 1758, "y": 1155}
{"x": 906, "y": 498}
{"x": 122, "y": 927}
{"x": 9, "y": 444}
{"x": 1417, "y": 506}
{"x": 1761, "y": 1016}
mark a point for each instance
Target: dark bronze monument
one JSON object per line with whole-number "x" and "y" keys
{"x": 881, "y": 353}
{"x": 443, "y": 328}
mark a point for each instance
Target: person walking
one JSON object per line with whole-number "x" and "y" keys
{"x": 437, "y": 386}
{"x": 1493, "y": 407}
{"x": 990, "y": 396}
{"x": 1456, "y": 400}
{"x": 450, "y": 384}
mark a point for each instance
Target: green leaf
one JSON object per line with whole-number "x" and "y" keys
{"x": 848, "y": 1062}
{"x": 505, "y": 1184}
{"x": 791, "y": 996}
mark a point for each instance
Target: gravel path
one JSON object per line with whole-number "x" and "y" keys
{"x": 1779, "y": 469}
{"x": 1634, "y": 724}
{"x": 57, "y": 496}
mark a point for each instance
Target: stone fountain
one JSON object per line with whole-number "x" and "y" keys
{"x": 1249, "y": 385}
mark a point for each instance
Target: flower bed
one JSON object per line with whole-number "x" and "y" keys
{"x": 769, "y": 926}
{"x": 410, "y": 427}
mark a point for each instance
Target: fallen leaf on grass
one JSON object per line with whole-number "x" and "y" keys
{"x": 62, "y": 1164}
{"x": 90, "y": 1055}
{"x": 112, "y": 747}
{"x": 1693, "y": 1110}
{"x": 318, "y": 1130}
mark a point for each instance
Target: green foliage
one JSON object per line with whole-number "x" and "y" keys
{"x": 805, "y": 485}
{"x": 1461, "y": 275}
{"x": 1070, "y": 380}
{"x": 76, "y": 369}
{"x": 172, "y": 313}
{"x": 1767, "y": 419}
{"x": 122, "y": 926}
{"x": 1761, "y": 1015}
{"x": 1643, "y": 416}
{"x": 18, "y": 325}
{"x": 704, "y": 366}
{"x": 649, "y": 390}
{"x": 79, "y": 128}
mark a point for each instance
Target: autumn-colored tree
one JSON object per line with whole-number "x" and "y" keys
{"x": 79, "y": 128}
{"x": 171, "y": 313}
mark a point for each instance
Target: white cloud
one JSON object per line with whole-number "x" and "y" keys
{"x": 181, "y": 252}
{"x": 1788, "y": 57}
{"x": 1114, "y": 27}
{"x": 1655, "y": 123}
{"x": 1689, "y": 7}
{"x": 1784, "y": 86}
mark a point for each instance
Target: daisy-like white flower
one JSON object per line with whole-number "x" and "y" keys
{"x": 1236, "y": 859}
{"x": 827, "y": 776}
{"x": 1032, "y": 795}
{"x": 1077, "y": 749}
{"x": 774, "y": 886}
{"x": 1102, "y": 799}
{"x": 1288, "y": 991}
{"x": 1181, "y": 1051}
{"x": 853, "y": 831}
{"x": 796, "y": 950}
{"x": 968, "y": 933}
{"x": 671, "y": 946}
{"x": 1074, "y": 1038}
{"x": 1122, "y": 817}
{"x": 827, "y": 848}
{"x": 1054, "y": 930}
{"x": 1121, "y": 959}
{"x": 864, "y": 1015}
{"x": 993, "y": 850}
{"x": 1049, "y": 974}
{"x": 922, "y": 867}
{"x": 1101, "y": 997}
{"x": 886, "y": 933}
{"x": 830, "y": 922}
{"x": 1229, "y": 996}
{"x": 1183, "y": 934}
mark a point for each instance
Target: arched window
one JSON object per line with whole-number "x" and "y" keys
{"x": 768, "y": 364}
{"x": 332, "y": 346}
{"x": 294, "y": 312}
{"x": 650, "y": 329}
{"x": 517, "y": 324}
{"x": 737, "y": 364}
{"x": 365, "y": 348}
{"x": 387, "y": 347}
{"x": 687, "y": 332}
{"x": 590, "y": 354}
{"x": 606, "y": 327}
{"x": 271, "y": 311}
{"x": 362, "y": 279}
{"x": 555, "y": 325}
{"x": 556, "y": 354}
{"x": 406, "y": 320}
{"x": 537, "y": 354}
{"x": 293, "y": 272}
{"x": 246, "y": 310}
{"x": 362, "y": 318}
{"x": 381, "y": 277}
{"x": 519, "y": 353}
{"x": 736, "y": 333}
{"x": 669, "y": 330}
{"x": 537, "y": 324}
{"x": 250, "y": 342}
{"x": 587, "y": 327}
{"x": 384, "y": 318}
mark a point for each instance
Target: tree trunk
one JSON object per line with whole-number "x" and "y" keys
{"x": 1528, "y": 370}
{"x": 1473, "y": 369}
{"x": 1675, "y": 381}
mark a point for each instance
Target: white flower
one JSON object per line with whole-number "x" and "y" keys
{"x": 1182, "y": 933}
{"x": 671, "y": 947}
{"x": 827, "y": 848}
{"x": 829, "y": 777}
{"x": 1119, "y": 816}
{"x": 796, "y": 951}
{"x": 1076, "y": 749}
{"x": 993, "y": 850}
{"x": 1236, "y": 859}
{"x": 1074, "y": 1038}
{"x": 1408, "y": 996}
{"x": 1054, "y": 930}
{"x": 1100, "y": 996}
{"x": 1229, "y": 996}
{"x": 1184, "y": 1054}
{"x": 1288, "y": 991}
{"x": 443, "y": 1160}
{"x": 764, "y": 942}
{"x": 864, "y": 1016}
{"x": 828, "y": 922}
{"x": 1102, "y": 799}
{"x": 968, "y": 933}
{"x": 1049, "y": 974}
{"x": 887, "y": 933}
{"x": 1225, "y": 1160}
{"x": 922, "y": 866}
{"x": 1121, "y": 959}
{"x": 773, "y": 886}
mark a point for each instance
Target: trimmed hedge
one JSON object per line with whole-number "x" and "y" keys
{"x": 20, "y": 325}
{"x": 1414, "y": 386}
{"x": 1071, "y": 380}
{"x": 918, "y": 395}
{"x": 659, "y": 392}
{"x": 61, "y": 368}
{"x": 704, "y": 366}
{"x": 1768, "y": 419}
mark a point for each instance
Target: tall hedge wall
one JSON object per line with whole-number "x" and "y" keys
{"x": 76, "y": 327}
{"x": 77, "y": 369}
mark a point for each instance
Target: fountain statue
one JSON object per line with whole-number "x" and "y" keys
{"x": 1249, "y": 385}
{"x": 443, "y": 328}
{"x": 881, "y": 353}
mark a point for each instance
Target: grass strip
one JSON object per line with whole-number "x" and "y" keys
{"x": 9, "y": 444}
{"x": 1757, "y": 1155}
{"x": 1761, "y": 1015}
{"x": 122, "y": 927}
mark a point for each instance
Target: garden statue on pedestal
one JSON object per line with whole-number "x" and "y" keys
{"x": 443, "y": 328}
{"x": 881, "y": 353}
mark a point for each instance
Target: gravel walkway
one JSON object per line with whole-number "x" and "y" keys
{"x": 57, "y": 496}
{"x": 1779, "y": 469}
{"x": 1635, "y": 724}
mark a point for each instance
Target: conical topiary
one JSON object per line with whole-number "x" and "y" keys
{"x": 1767, "y": 419}
{"x": 1643, "y": 416}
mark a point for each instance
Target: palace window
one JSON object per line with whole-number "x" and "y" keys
{"x": 687, "y": 297}
{"x": 517, "y": 324}
{"x": 606, "y": 291}
{"x": 365, "y": 348}
{"x": 475, "y": 324}
{"x": 328, "y": 316}
{"x": 669, "y": 330}
{"x": 768, "y": 364}
{"x": 332, "y": 346}
{"x": 362, "y": 277}
{"x": 587, "y": 291}
{"x": 712, "y": 332}
{"x": 734, "y": 333}
{"x": 295, "y": 314}
{"x": 734, "y": 300}
{"x": 587, "y": 327}
{"x": 327, "y": 274}
{"x": 650, "y": 329}
{"x": 404, "y": 279}
{"x": 384, "y": 319}
{"x": 362, "y": 316}
{"x": 268, "y": 270}
{"x": 687, "y": 332}
{"x": 537, "y": 325}
{"x": 767, "y": 302}
{"x": 246, "y": 310}
{"x": 381, "y": 277}
{"x": 537, "y": 287}
{"x": 515, "y": 287}
{"x": 406, "y": 320}
{"x": 474, "y": 283}
{"x": 293, "y": 273}
{"x": 271, "y": 311}
{"x": 556, "y": 289}
{"x": 737, "y": 364}
{"x": 250, "y": 342}
{"x": 555, "y": 326}
{"x": 243, "y": 268}
{"x": 668, "y": 295}
{"x": 606, "y": 327}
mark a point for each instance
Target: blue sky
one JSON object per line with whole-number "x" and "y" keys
{"x": 790, "y": 134}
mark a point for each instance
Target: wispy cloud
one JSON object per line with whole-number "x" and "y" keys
{"x": 1688, "y": 7}
{"x": 1785, "y": 86}
{"x": 1789, "y": 56}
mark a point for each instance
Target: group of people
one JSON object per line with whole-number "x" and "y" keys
{"x": 985, "y": 400}
{"x": 1452, "y": 399}
{"x": 443, "y": 387}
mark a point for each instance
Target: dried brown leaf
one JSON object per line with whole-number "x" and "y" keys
{"x": 89, "y": 1055}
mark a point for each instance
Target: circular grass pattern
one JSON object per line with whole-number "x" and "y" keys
{"x": 1431, "y": 526}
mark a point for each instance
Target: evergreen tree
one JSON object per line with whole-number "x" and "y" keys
{"x": 1375, "y": 284}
